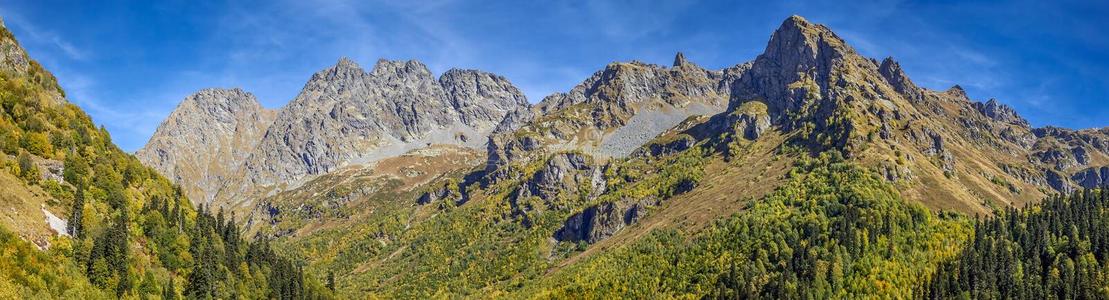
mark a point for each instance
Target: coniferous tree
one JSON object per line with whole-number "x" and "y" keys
{"x": 76, "y": 223}
{"x": 1055, "y": 251}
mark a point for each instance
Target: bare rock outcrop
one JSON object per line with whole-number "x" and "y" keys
{"x": 220, "y": 144}
{"x": 345, "y": 115}
{"x": 1000, "y": 112}
{"x": 1092, "y": 178}
{"x": 481, "y": 99}
{"x": 613, "y": 112}
{"x": 203, "y": 142}
{"x": 891, "y": 70}
{"x": 601, "y": 221}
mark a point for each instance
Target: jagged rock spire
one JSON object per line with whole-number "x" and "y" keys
{"x": 1000, "y": 112}
{"x": 679, "y": 60}
{"x": 346, "y": 62}
{"x": 958, "y": 92}
{"x": 892, "y": 72}
{"x": 795, "y": 66}
{"x": 799, "y": 43}
{"x": 344, "y": 69}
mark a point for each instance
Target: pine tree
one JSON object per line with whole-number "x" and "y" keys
{"x": 76, "y": 224}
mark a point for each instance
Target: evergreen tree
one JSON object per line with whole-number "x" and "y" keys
{"x": 1057, "y": 250}
{"x": 76, "y": 224}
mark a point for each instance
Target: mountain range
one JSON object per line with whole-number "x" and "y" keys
{"x": 808, "y": 171}
{"x": 809, "y": 80}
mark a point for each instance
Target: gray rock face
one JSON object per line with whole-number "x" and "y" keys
{"x": 563, "y": 172}
{"x": 679, "y": 144}
{"x": 749, "y": 121}
{"x": 12, "y": 55}
{"x": 345, "y": 115}
{"x": 205, "y": 140}
{"x": 14, "y": 59}
{"x": 1081, "y": 153}
{"x": 1060, "y": 159}
{"x": 601, "y": 221}
{"x": 614, "y": 112}
{"x": 565, "y": 176}
{"x": 1092, "y": 177}
{"x": 896, "y": 77}
{"x": 481, "y": 99}
{"x": 620, "y": 86}
{"x": 807, "y": 76}
{"x": 730, "y": 76}
{"x": 221, "y": 145}
{"x": 798, "y": 51}
{"x": 1000, "y": 112}
{"x": 1058, "y": 182}
{"x": 445, "y": 192}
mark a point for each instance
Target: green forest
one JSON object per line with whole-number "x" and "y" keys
{"x": 833, "y": 230}
{"x": 1058, "y": 249}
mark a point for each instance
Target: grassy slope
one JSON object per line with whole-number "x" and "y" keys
{"x": 397, "y": 248}
{"x": 907, "y": 244}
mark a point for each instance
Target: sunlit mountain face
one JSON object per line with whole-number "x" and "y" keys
{"x": 806, "y": 169}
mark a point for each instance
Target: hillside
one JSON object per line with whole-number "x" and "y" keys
{"x": 83, "y": 219}
{"x": 646, "y": 180}
{"x": 809, "y": 171}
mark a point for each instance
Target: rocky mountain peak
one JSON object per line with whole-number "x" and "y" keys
{"x": 1000, "y": 112}
{"x": 396, "y": 107}
{"x": 396, "y": 69}
{"x": 957, "y": 92}
{"x": 892, "y": 72}
{"x": 222, "y": 100}
{"x": 797, "y": 45}
{"x": 204, "y": 140}
{"x": 344, "y": 69}
{"x": 482, "y": 99}
{"x": 346, "y": 62}
{"x": 679, "y": 60}
{"x": 801, "y": 64}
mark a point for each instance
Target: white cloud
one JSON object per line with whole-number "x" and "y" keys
{"x": 35, "y": 35}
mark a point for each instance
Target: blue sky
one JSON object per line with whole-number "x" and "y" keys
{"x": 128, "y": 63}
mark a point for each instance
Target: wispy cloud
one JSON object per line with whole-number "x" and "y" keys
{"x": 35, "y": 35}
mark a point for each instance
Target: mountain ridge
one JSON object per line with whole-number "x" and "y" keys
{"x": 792, "y": 77}
{"x": 810, "y": 171}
